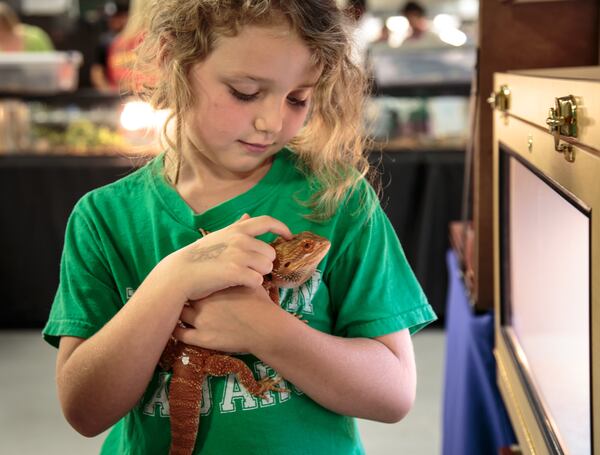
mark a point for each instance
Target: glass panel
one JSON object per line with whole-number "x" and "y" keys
{"x": 549, "y": 276}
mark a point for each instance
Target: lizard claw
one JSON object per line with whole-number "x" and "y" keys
{"x": 299, "y": 316}
{"x": 269, "y": 384}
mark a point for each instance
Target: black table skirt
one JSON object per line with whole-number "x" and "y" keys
{"x": 421, "y": 195}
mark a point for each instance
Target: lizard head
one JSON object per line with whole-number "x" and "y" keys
{"x": 297, "y": 259}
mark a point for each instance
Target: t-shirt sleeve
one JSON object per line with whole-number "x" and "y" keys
{"x": 373, "y": 288}
{"x": 86, "y": 297}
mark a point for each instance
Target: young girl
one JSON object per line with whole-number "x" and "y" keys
{"x": 266, "y": 107}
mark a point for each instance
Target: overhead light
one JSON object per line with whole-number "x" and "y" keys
{"x": 443, "y": 22}
{"x": 399, "y": 28}
{"x": 371, "y": 29}
{"x": 453, "y": 37}
{"x": 468, "y": 9}
{"x": 397, "y": 24}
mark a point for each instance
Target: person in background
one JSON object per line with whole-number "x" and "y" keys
{"x": 18, "y": 37}
{"x": 117, "y": 15}
{"x": 417, "y": 20}
{"x": 122, "y": 51}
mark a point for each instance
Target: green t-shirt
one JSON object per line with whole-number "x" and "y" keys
{"x": 364, "y": 287}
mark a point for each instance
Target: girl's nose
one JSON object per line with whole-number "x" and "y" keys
{"x": 269, "y": 119}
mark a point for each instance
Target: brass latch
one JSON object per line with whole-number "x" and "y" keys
{"x": 562, "y": 121}
{"x": 501, "y": 99}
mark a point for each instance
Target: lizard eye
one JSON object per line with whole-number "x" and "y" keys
{"x": 307, "y": 245}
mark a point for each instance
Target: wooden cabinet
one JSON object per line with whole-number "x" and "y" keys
{"x": 518, "y": 35}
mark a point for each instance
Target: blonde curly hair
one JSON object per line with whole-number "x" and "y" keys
{"x": 330, "y": 146}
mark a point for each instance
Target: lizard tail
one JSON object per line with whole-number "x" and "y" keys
{"x": 185, "y": 397}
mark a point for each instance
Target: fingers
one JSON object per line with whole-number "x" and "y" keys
{"x": 188, "y": 336}
{"x": 245, "y": 216}
{"x": 250, "y": 278}
{"x": 188, "y": 315}
{"x": 245, "y": 259}
{"x": 259, "y": 263}
{"x": 232, "y": 256}
{"x": 262, "y": 248}
{"x": 263, "y": 224}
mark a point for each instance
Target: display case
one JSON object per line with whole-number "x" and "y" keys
{"x": 39, "y": 72}
{"x": 547, "y": 257}
{"x": 420, "y": 97}
{"x": 81, "y": 123}
{"x": 420, "y": 101}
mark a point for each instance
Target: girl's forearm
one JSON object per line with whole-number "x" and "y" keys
{"x": 106, "y": 375}
{"x": 360, "y": 377}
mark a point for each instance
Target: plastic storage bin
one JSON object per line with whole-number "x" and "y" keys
{"x": 39, "y": 72}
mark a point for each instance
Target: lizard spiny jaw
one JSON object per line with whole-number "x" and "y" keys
{"x": 297, "y": 259}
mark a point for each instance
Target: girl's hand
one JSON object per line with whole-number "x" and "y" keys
{"x": 229, "y": 320}
{"x": 229, "y": 257}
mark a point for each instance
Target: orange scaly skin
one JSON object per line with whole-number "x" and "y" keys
{"x": 295, "y": 262}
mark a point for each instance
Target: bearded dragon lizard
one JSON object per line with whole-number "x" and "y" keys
{"x": 295, "y": 262}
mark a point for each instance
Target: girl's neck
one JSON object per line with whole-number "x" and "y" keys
{"x": 192, "y": 166}
{"x": 204, "y": 185}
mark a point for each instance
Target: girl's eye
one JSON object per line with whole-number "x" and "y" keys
{"x": 243, "y": 96}
{"x": 296, "y": 102}
{"x": 247, "y": 97}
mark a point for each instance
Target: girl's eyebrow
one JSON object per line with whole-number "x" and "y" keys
{"x": 267, "y": 81}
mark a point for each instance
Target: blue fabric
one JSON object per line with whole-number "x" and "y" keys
{"x": 474, "y": 417}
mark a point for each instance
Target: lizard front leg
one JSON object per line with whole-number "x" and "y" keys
{"x": 273, "y": 292}
{"x": 271, "y": 289}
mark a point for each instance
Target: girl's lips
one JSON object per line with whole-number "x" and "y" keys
{"x": 255, "y": 148}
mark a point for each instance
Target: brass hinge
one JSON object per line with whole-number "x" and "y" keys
{"x": 501, "y": 99}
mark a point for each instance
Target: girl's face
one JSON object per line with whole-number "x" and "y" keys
{"x": 252, "y": 95}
